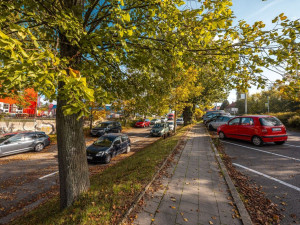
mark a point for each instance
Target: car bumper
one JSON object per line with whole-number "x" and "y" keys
{"x": 96, "y": 134}
{"x": 156, "y": 134}
{"x": 140, "y": 125}
{"x": 96, "y": 158}
{"x": 274, "y": 138}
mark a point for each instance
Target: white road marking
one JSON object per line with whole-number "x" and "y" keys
{"x": 292, "y": 145}
{"x": 269, "y": 177}
{"x": 41, "y": 178}
{"x": 263, "y": 151}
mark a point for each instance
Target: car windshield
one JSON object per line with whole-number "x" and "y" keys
{"x": 2, "y": 139}
{"x": 103, "y": 125}
{"x": 171, "y": 123}
{"x": 179, "y": 119}
{"x": 270, "y": 121}
{"x": 158, "y": 125}
{"x": 104, "y": 141}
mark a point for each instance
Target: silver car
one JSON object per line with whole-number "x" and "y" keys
{"x": 179, "y": 121}
{"x": 23, "y": 142}
{"x": 218, "y": 121}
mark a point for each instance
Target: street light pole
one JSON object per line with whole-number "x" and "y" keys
{"x": 246, "y": 108}
{"x": 268, "y": 104}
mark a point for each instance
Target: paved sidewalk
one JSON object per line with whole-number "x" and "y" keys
{"x": 196, "y": 193}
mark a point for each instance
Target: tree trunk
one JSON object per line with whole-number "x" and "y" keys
{"x": 188, "y": 115}
{"x": 91, "y": 118}
{"x": 73, "y": 167}
{"x": 175, "y": 118}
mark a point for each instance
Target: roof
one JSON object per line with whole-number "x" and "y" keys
{"x": 232, "y": 105}
{"x": 113, "y": 135}
{"x": 256, "y": 116}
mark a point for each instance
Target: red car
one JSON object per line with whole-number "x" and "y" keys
{"x": 257, "y": 129}
{"x": 143, "y": 123}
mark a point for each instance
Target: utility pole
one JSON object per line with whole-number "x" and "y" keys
{"x": 268, "y": 104}
{"x": 246, "y": 110}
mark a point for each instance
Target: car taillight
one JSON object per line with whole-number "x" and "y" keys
{"x": 264, "y": 130}
{"x": 48, "y": 138}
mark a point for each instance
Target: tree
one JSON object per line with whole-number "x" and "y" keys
{"x": 68, "y": 50}
{"x": 224, "y": 104}
{"x": 71, "y": 50}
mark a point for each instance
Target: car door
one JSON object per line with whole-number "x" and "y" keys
{"x": 124, "y": 143}
{"x": 12, "y": 145}
{"x": 118, "y": 145}
{"x": 27, "y": 142}
{"x": 246, "y": 128}
{"x": 217, "y": 122}
{"x": 232, "y": 128}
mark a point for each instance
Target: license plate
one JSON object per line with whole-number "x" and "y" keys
{"x": 89, "y": 157}
{"x": 276, "y": 129}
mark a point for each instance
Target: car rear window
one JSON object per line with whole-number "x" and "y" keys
{"x": 270, "y": 121}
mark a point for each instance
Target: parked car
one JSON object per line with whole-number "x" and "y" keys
{"x": 160, "y": 129}
{"x": 106, "y": 127}
{"x": 163, "y": 119}
{"x": 107, "y": 147}
{"x": 257, "y": 129}
{"x": 154, "y": 121}
{"x": 171, "y": 116}
{"x": 171, "y": 124}
{"x": 210, "y": 112}
{"x": 179, "y": 121}
{"x": 214, "y": 123}
{"x": 23, "y": 142}
{"x": 142, "y": 123}
{"x": 214, "y": 115}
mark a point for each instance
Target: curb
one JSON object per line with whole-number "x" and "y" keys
{"x": 141, "y": 195}
{"x": 245, "y": 217}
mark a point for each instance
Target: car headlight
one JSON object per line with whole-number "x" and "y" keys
{"x": 100, "y": 154}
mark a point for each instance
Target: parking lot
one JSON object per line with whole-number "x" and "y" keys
{"x": 28, "y": 179}
{"x": 274, "y": 167}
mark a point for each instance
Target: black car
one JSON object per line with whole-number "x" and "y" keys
{"x": 23, "y": 142}
{"x": 106, "y": 127}
{"x": 107, "y": 147}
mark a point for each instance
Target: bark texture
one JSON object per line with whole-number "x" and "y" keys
{"x": 73, "y": 167}
{"x": 188, "y": 115}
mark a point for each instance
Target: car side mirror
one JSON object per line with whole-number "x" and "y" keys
{"x": 6, "y": 142}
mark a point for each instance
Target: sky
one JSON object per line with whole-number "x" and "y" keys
{"x": 266, "y": 11}
{"x": 258, "y": 10}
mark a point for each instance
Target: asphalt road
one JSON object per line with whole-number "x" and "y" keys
{"x": 28, "y": 179}
{"x": 275, "y": 168}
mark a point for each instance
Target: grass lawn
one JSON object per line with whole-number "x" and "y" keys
{"x": 112, "y": 192}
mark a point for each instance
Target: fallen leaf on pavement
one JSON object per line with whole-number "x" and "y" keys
{"x": 185, "y": 219}
{"x": 210, "y": 222}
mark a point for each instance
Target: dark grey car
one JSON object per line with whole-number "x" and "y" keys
{"x": 23, "y": 142}
{"x": 106, "y": 127}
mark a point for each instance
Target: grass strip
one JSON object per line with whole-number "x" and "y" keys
{"x": 112, "y": 192}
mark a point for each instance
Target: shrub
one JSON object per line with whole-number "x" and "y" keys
{"x": 284, "y": 116}
{"x": 294, "y": 121}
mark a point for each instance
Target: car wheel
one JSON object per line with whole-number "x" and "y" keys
{"x": 128, "y": 149}
{"x": 257, "y": 141}
{"x": 39, "y": 147}
{"x": 279, "y": 142}
{"x": 222, "y": 135}
{"x": 107, "y": 159}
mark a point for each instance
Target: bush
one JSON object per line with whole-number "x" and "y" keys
{"x": 294, "y": 121}
{"x": 284, "y": 116}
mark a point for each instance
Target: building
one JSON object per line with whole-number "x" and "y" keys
{"x": 25, "y": 104}
{"x": 231, "y": 108}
